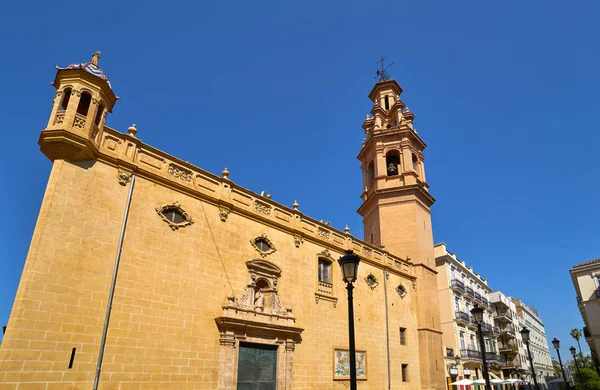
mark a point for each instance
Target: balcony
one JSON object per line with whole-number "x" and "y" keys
{"x": 478, "y": 297}
{"x": 463, "y": 318}
{"x": 503, "y": 316}
{"x": 507, "y": 331}
{"x": 495, "y": 330}
{"x": 492, "y": 357}
{"x": 472, "y": 323}
{"x": 485, "y": 303}
{"x": 506, "y": 348}
{"x": 457, "y": 286}
{"x": 470, "y": 292}
{"x": 470, "y": 354}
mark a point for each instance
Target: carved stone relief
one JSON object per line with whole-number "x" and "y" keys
{"x": 324, "y": 233}
{"x": 180, "y": 173}
{"x": 124, "y": 177}
{"x": 224, "y": 213}
{"x": 298, "y": 240}
{"x": 262, "y": 207}
{"x": 257, "y": 316}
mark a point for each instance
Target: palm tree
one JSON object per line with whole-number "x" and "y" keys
{"x": 576, "y": 334}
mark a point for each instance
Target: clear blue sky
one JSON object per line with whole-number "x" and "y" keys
{"x": 505, "y": 95}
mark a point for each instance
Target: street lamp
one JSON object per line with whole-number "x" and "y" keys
{"x": 477, "y": 313}
{"x": 556, "y": 345}
{"x": 525, "y": 336}
{"x": 349, "y": 264}
{"x": 573, "y": 351}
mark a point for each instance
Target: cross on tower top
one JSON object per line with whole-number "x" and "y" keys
{"x": 382, "y": 73}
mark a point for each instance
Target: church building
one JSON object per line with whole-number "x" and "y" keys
{"x": 147, "y": 272}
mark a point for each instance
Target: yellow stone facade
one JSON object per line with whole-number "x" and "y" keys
{"x": 187, "y": 297}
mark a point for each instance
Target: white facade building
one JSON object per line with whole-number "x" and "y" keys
{"x": 538, "y": 343}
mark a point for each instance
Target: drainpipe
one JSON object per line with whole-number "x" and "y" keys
{"x": 112, "y": 287}
{"x": 387, "y": 330}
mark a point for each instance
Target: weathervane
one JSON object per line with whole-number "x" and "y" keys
{"x": 382, "y": 73}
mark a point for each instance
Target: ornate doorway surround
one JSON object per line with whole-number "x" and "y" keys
{"x": 257, "y": 317}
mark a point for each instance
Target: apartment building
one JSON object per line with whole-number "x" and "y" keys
{"x": 538, "y": 343}
{"x": 460, "y": 289}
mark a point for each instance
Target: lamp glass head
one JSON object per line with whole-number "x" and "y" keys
{"x": 525, "y": 334}
{"x": 556, "y": 343}
{"x": 349, "y": 264}
{"x": 477, "y": 313}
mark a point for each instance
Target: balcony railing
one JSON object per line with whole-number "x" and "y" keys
{"x": 470, "y": 354}
{"x": 470, "y": 292}
{"x": 457, "y": 285}
{"x": 503, "y": 315}
{"x": 478, "y": 297}
{"x": 60, "y": 117}
{"x": 79, "y": 121}
{"x": 492, "y": 357}
{"x": 463, "y": 317}
{"x": 485, "y": 302}
{"x": 325, "y": 288}
{"x": 507, "y": 330}
{"x": 506, "y": 348}
{"x": 495, "y": 330}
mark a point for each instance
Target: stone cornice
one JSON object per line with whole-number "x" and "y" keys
{"x": 129, "y": 153}
{"x": 416, "y": 190}
{"x": 387, "y": 84}
{"x": 403, "y": 131}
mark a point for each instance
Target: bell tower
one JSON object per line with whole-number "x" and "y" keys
{"x": 83, "y": 99}
{"x": 396, "y": 211}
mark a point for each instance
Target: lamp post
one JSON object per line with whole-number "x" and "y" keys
{"x": 573, "y": 352}
{"x": 349, "y": 264}
{"x": 556, "y": 345}
{"x": 525, "y": 336}
{"x": 477, "y": 313}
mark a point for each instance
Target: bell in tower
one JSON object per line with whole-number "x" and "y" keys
{"x": 83, "y": 99}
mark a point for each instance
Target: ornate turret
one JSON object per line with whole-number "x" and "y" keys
{"x": 83, "y": 98}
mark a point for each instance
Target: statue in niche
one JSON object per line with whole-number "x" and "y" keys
{"x": 259, "y": 300}
{"x": 392, "y": 169}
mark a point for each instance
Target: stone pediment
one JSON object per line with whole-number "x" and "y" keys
{"x": 263, "y": 268}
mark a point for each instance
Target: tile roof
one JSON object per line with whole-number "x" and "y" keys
{"x": 596, "y": 261}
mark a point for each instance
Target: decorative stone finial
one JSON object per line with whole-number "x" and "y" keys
{"x": 367, "y": 118}
{"x": 295, "y": 205}
{"x": 95, "y": 58}
{"x": 225, "y": 174}
{"x": 132, "y": 130}
{"x": 407, "y": 109}
{"x": 347, "y": 229}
